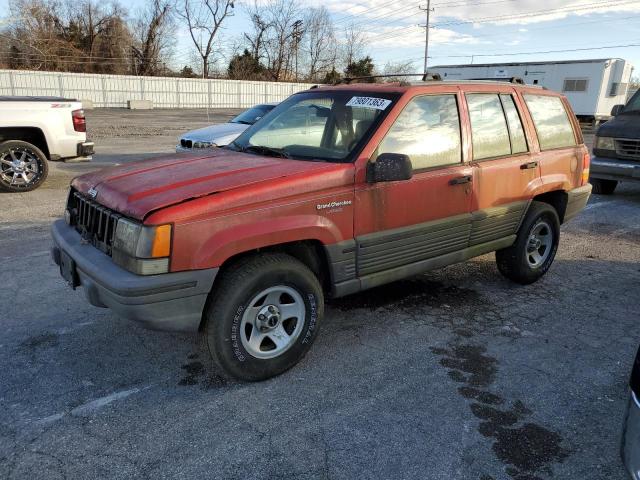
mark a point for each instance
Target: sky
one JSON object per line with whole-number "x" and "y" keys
{"x": 464, "y": 31}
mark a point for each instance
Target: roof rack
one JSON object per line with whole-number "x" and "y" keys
{"x": 426, "y": 77}
{"x": 516, "y": 80}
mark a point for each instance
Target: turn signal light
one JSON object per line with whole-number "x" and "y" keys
{"x": 161, "y": 242}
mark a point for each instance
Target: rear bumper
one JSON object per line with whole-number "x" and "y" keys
{"x": 615, "y": 169}
{"x": 171, "y": 301}
{"x": 630, "y": 449}
{"x": 86, "y": 149}
{"x": 576, "y": 201}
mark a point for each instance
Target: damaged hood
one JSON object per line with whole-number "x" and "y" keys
{"x": 139, "y": 188}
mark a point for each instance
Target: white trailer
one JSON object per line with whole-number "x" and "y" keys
{"x": 593, "y": 87}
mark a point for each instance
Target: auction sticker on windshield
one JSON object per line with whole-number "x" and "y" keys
{"x": 369, "y": 102}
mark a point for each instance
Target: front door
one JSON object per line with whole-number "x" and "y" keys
{"x": 404, "y": 223}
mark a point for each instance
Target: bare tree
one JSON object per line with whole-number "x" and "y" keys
{"x": 398, "y": 68}
{"x": 353, "y": 45}
{"x": 319, "y": 43}
{"x": 100, "y": 32}
{"x": 152, "y": 39}
{"x": 204, "y": 19}
{"x": 280, "y": 43}
{"x": 260, "y": 26}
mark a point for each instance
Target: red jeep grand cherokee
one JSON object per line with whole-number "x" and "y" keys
{"x": 336, "y": 190}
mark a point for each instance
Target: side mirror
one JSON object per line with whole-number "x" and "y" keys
{"x": 616, "y": 110}
{"x": 390, "y": 167}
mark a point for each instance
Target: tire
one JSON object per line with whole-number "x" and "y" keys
{"x": 535, "y": 247}
{"x": 603, "y": 187}
{"x": 23, "y": 166}
{"x": 239, "y": 308}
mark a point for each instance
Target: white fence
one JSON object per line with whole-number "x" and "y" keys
{"x": 164, "y": 92}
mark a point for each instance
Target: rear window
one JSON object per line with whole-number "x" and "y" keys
{"x": 551, "y": 121}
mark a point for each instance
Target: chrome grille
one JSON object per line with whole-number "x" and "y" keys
{"x": 628, "y": 148}
{"x": 95, "y": 223}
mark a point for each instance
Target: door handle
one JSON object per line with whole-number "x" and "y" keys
{"x": 460, "y": 180}
{"x": 528, "y": 165}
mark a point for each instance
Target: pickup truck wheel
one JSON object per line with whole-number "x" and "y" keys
{"x": 603, "y": 187}
{"x": 23, "y": 167}
{"x": 263, "y": 316}
{"x": 535, "y": 247}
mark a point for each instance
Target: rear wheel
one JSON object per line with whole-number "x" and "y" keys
{"x": 23, "y": 166}
{"x": 263, "y": 316}
{"x": 603, "y": 187}
{"x": 535, "y": 247}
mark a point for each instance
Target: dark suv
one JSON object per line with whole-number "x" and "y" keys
{"x": 616, "y": 151}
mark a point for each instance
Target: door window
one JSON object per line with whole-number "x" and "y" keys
{"x": 551, "y": 121}
{"x": 428, "y": 131}
{"x": 489, "y": 132}
{"x": 516, "y": 132}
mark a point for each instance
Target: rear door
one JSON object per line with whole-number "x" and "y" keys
{"x": 504, "y": 169}
{"x": 407, "y": 222}
{"x": 561, "y": 150}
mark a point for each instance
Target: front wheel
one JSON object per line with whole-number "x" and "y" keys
{"x": 535, "y": 247}
{"x": 263, "y": 316}
{"x": 23, "y": 166}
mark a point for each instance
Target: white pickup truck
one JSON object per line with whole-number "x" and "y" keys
{"x": 35, "y": 130}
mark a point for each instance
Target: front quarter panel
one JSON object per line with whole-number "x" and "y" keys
{"x": 211, "y": 242}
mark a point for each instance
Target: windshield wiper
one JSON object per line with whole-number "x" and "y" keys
{"x": 269, "y": 151}
{"x": 242, "y": 122}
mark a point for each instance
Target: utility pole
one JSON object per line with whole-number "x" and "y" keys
{"x": 297, "y": 36}
{"x": 428, "y": 9}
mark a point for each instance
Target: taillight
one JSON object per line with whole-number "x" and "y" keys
{"x": 79, "y": 121}
{"x": 586, "y": 162}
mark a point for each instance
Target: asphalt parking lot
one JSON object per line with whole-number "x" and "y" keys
{"x": 456, "y": 374}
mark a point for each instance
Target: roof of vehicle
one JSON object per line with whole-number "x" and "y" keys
{"x": 401, "y": 87}
{"x": 36, "y": 99}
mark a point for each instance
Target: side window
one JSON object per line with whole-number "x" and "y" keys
{"x": 428, "y": 131}
{"x": 516, "y": 132}
{"x": 489, "y": 132}
{"x": 551, "y": 121}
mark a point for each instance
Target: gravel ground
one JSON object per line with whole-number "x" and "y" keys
{"x": 456, "y": 374}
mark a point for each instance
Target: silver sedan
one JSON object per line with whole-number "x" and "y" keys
{"x": 224, "y": 133}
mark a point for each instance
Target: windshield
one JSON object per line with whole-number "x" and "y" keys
{"x": 251, "y": 116}
{"x": 330, "y": 125}
{"x": 634, "y": 104}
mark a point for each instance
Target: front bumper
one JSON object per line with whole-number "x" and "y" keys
{"x": 615, "y": 169}
{"x": 630, "y": 449}
{"x": 171, "y": 301}
{"x": 86, "y": 149}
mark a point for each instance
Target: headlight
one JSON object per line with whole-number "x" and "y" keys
{"x": 605, "y": 143}
{"x": 204, "y": 145}
{"x": 141, "y": 249}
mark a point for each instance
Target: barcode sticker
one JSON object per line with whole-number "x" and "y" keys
{"x": 369, "y": 102}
